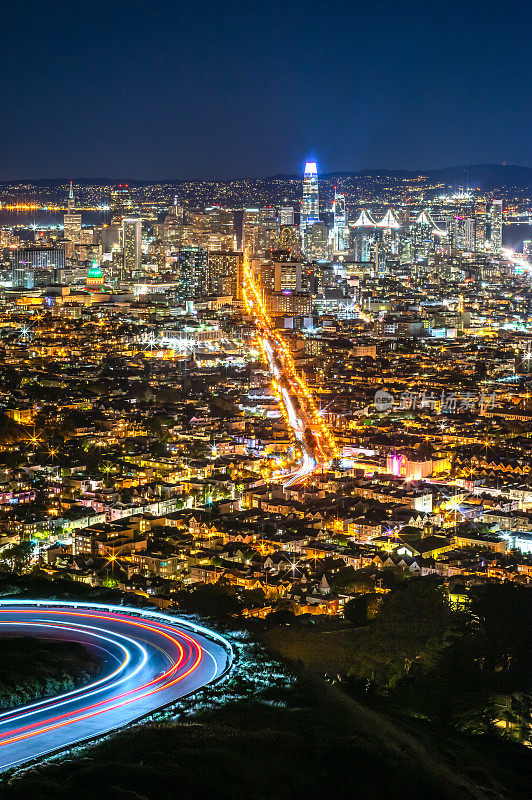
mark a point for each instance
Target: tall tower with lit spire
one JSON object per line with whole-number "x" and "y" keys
{"x": 71, "y": 222}
{"x": 310, "y": 208}
{"x": 70, "y": 201}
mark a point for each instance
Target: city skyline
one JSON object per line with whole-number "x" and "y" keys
{"x": 265, "y": 400}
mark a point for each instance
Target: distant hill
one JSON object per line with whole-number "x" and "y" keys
{"x": 481, "y": 176}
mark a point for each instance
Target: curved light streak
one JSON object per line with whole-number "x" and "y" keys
{"x": 30, "y": 708}
{"x": 139, "y": 639}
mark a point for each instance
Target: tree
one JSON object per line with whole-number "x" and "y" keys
{"x": 17, "y": 557}
{"x": 409, "y": 626}
{"x": 504, "y": 611}
{"x": 358, "y": 610}
{"x": 211, "y": 600}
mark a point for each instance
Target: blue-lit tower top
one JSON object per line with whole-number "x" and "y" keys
{"x": 310, "y": 208}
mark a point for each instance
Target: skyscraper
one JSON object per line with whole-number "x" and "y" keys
{"x": 71, "y": 220}
{"x": 469, "y": 234}
{"x": 193, "y": 272}
{"x": 37, "y": 266}
{"x": 317, "y": 242}
{"x": 120, "y": 202}
{"x": 286, "y": 216}
{"x": 70, "y": 201}
{"x": 226, "y": 274}
{"x": 496, "y": 226}
{"x": 310, "y": 210}
{"x": 340, "y": 229}
{"x": 132, "y": 243}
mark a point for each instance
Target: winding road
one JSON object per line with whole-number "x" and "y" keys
{"x": 148, "y": 660}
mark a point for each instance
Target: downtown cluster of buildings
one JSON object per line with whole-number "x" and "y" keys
{"x": 142, "y": 444}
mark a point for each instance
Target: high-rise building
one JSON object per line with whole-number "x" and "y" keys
{"x": 120, "y": 202}
{"x": 112, "y": 238}
{"x": 496, "y": 226}
{"x": 469, "y": 234}
{"x": 340, "y": 228}
{"x": 259, "y": 230}
{"x": 310, "y": 209}
{"x": 316, "y": 242}
{"x": 461, "y": 233}
{"x": 286, "y": 216}
{"x": 132, "y": 244}
{"x": 193, "y": 278}
{"x": 380, "y": 258}
{"x": 287, "y": 276}
{"x": 250, "y": 230}
{"x": 527, "y": 249}
{"x": 289, "y": 303}
{"x": 37, "y": 266}
{"x": 70, "y": 199}
{"x": 71, "y": 220}
{"x": 72, "y": 227}
{"x": 226, "y": 274}
{"x": 268, "y": 230}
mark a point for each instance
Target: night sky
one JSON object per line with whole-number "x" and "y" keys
{"x": 233, "y": 89}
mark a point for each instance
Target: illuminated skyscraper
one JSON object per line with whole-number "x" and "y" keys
{"x": 37, "y": 266}
{"x": 132, "y": 243}
{"x": 286, "y": 216}
{"x": 225, "y": 273}
{"x": 71, "y": 220}
{"x": 317, "y": 242}
{"x": 496, "y": 226}
{"x": 193, "y": 276}
{"x": 310, "y": 210}
{"x": 341, "y": 231}
{"x": 70, "y": 201}
{"x": 480, "y": 227}
{"x": 120, "y": 202}
{"x": 469, "y": 234}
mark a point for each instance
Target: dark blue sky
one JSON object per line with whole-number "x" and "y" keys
{"x": 228, "y": 89}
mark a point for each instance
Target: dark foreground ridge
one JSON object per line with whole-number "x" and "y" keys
{"x": 311, "y": 741}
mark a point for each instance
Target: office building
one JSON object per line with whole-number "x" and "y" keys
{"x": 310, "y": 211}
{"x": 340, "y": 229}
{"x": 496, "y": 226}
{"x": 193, "y": 277}
{"x": 71, "y": 220}
{"x": 225, "y": 274}
{"x": 286, "y": 216}
{"x": 36, "y": 267}
{"x": 132, "y": 245}
{"x": 287, "y": 276}
{"x": 316, "y": 242}
{"x": 120, "y": 203}
{"x": 290, "y": 303}
{"x": 72, "y": 227}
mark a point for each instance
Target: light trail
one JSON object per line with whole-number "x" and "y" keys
{"x": 310, "y": 432}
{"x": 148, "y": 662}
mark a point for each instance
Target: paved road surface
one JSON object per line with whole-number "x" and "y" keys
{"x": 148, "y": 661}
